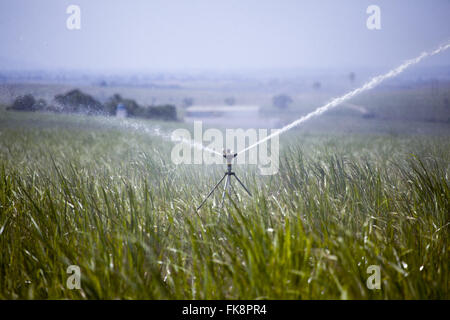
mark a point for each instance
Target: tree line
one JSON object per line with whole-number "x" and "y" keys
{"x": 76, "y": 101}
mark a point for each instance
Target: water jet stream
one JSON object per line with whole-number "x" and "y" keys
{"x": 367, "y": 86}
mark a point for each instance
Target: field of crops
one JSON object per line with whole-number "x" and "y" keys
{"x": 76, "y": 191}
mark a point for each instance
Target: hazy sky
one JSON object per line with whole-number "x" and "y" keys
{"x": 219, "y": 34}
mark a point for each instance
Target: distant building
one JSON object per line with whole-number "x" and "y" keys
{"x": 121, "y": 111}
{"x": 222, "y": 111}
{"x": 238, "y": 116}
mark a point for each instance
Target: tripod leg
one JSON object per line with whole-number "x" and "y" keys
{"x": 242, "y": 184}
{"x": 225, "y": 189}
{"x": 232, "y": 188}
{"x": 211, "y": 192}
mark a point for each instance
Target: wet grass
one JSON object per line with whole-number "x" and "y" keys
{"x": 112, "y": 202}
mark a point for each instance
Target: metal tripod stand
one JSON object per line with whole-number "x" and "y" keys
{"x": 228, "y": 174}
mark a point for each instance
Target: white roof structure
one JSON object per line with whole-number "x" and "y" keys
{"x": 223, "y": 109}
{"x": 236, "y": 116}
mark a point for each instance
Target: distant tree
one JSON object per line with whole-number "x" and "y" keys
{"x": 29, "y": 103}
{"x": 23, "y": 103}
{"x": 132, "y": 107}
{"x": 282, "y": 101}
{"x": 187, "y": 102}
{"x": 231, "y": 101}
{"x": 77, "y": 101}
{"x": 40, "y": 105}
{"x": 317, "y": 85}
{"x": 352, "y": 77}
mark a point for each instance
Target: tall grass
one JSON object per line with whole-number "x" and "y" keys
{"x": 113, "y": 203}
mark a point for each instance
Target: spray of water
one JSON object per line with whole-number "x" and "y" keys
{"x": 337, "y": 101}
{"x": 156, "y": 131}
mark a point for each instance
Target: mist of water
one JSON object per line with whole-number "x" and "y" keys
{"x": 156, "y": 131}
{"x": 337, "y": 101}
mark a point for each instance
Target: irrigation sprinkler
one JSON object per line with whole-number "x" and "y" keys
{"x": 229, "y": 156}
{"x": 333, "y": 103}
